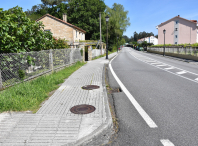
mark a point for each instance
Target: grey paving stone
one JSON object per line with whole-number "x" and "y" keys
{"x": 54, "y": 124}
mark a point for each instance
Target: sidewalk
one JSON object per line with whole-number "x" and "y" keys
{"x": 54, "y": 124}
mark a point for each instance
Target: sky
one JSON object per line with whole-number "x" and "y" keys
{"x": 144, "y": 15}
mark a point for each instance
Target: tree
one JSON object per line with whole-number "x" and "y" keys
{"x": 156, "y": 36}
{"x": 85, "y": 15}
{"x": 51, "y": 3}
{"x": 135, "y": 36}
{"x": 19, "y": 34}
{"x": 118, "y": 22}
{"x": 126, "y": 38}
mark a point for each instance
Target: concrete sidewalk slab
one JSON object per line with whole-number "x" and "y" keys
{"x": 54, "y": 124}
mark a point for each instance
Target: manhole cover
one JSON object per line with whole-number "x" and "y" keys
{"x": 90, "y": 87}
{"x": 82, "y": 109}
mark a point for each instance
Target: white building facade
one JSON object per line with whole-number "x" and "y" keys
{"x": 150, "y": 39}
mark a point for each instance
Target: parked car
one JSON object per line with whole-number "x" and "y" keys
{"x": 140, "y": 49}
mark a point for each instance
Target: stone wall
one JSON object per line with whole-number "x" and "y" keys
{"x": 180, "y": 52}
{"x": 58, "y": 29}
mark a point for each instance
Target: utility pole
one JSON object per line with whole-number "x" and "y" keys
{"x": 100, "y": 35}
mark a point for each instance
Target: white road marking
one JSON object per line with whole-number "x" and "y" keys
{"x": 156, "y": 63}
{"x": 162, "y": 65}
{"x": 166, "y": 142}
{"x": 141, "y": 111}
{"x": 170, "y": 68}
{"x": 181, "y": 72}
{"x": 196, "y": 79}
{"x": 166, "y": 69}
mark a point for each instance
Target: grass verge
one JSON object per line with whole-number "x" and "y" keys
{"x": 29, "y": 95}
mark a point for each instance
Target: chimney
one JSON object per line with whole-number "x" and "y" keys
{"x": 178, "y": 15}
{"x": 65, "y": 17}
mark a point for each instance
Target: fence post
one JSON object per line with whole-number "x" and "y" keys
{"x": 51, "y": 60}
{"x": 1, "y": 84}
{"x": 89, "y": 53}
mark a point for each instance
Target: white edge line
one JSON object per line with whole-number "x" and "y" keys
{"x": 171, "y": 72}
{"x": 166, "y": 142}
{"x": 141, "y": 111}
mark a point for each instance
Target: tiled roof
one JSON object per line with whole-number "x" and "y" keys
{"x": 61, "y": 21}
{"x": 193, "y": 21}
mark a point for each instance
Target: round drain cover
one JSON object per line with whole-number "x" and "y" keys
{"x": 90, "y": 87}
{"x": 82, "y": 109}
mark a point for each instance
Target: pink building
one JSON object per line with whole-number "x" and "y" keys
{"x": 178, "y": 31}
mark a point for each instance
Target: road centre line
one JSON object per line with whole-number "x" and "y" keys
{"x": 140, "y": 110}
{"x": 166, "y": 69}
{"x": 166, "y": 142}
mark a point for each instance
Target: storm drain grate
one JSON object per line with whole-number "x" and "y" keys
{"x": 83, "y": 109}
{"x": 90, "y": 87}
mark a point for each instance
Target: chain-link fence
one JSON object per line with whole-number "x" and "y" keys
{"x": 15, "y": 67}
{"x": 176, "y": 50}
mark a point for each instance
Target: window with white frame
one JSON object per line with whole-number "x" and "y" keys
{"x": 76, "y": 33}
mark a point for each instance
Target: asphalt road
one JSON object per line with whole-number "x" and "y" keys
{"x": 166, "y": 90}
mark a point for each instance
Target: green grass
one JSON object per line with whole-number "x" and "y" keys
{"x": 29, "y": 95}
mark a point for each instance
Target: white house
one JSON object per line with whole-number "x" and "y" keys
{"x": 151, "y": 39}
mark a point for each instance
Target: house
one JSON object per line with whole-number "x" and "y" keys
{"x": 62, "y": 29}
{"x": 151, "y": 39}
{"x": 178, "y": 31}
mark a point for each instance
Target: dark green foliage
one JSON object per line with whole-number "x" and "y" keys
{"x": 60, "y": 43}
{"x": 85, "y": 15}
{"x": 20, "y": 34}
{"x": 21, "y": 74}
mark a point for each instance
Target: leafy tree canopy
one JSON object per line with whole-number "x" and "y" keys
{"x": 85, "y": 15}
{"x": 118, "y": 22}
{"x": 19, "y": 34}
{"x": 52, "y": 2}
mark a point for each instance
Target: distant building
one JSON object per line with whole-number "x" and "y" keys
{"x": 178, "y": 31}
{"x": 151, "y": 39}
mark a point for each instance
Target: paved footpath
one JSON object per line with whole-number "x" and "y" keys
{"x": 54, "y": 124}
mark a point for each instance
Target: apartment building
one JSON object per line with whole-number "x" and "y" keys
{"x": 178, "y": 31}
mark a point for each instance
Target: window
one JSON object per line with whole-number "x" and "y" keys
{"x": 76, "y": 34}
{"x": 47, "y": 30}
{"x": 175, "y": 43}
{"x": 176, "y": 22}
{"x": 175, "y": 36}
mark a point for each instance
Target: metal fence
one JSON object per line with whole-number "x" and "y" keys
{"x": 15, "y": 67}
{"x": 177, "y": 50}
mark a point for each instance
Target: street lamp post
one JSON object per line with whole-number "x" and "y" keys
{"x": 117, "y": 43}
{"x": 164, "y": 31}
{"x": 107, "y": 20}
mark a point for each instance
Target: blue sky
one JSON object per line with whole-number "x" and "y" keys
{"x": 144, "y": 15}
